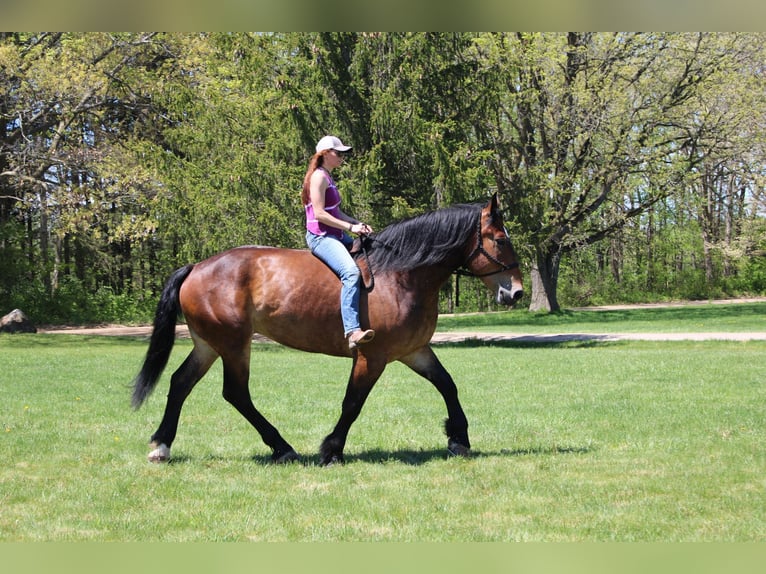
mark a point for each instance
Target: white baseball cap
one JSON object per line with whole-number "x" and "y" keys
{"x": 331, "y": 142}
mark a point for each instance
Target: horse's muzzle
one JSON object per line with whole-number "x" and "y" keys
{"x": 509, "y": 296}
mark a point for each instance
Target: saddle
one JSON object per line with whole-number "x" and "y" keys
{"x": 356, "y": 247}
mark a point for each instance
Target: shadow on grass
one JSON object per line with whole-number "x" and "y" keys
{"x": 419, "y": 457}
{"x": 409, "y": 457}
{"x": 564, "y": 341}
{"x": 546, "y": 450}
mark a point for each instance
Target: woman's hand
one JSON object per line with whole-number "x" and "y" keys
{"x": 360, "y": 228}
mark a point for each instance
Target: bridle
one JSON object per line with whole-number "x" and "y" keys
{"x": 479, "y": 249}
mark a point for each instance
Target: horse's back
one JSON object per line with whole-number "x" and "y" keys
{"x": 285, "y": 294}
{"x": 293, "y": 298}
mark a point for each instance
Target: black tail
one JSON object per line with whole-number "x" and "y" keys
{"x": 163, "y": 337}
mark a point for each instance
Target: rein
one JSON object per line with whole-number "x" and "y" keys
{"x": 477, "y": 250}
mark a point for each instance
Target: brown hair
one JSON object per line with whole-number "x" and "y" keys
{"x": 316, "y": 161}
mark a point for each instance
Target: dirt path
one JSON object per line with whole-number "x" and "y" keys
{"x": 456, "y": 337}
{"x": 182, "y": 331}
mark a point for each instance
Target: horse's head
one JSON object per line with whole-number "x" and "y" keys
{"x": 493, "y": 258}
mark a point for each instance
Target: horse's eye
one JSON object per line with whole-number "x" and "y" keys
{"x": 502, "y": 241}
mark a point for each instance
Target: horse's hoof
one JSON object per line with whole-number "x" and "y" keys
{"x": 336, "y": 459}
{"x": 159, "y": 454}
{"x": 287, "y": 458}
{"x": 457, "y": 449}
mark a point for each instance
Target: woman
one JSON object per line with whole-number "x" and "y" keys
{"x": 326, "y": 227}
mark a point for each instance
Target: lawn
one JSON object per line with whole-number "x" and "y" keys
{"x": 705, "y": 318}
{"x": 628, "y": 441}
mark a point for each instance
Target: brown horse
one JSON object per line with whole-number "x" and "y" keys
{"x": 291, "y": 297}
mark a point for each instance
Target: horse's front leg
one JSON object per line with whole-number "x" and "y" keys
{"x": 425, "y": 363}
{"x": 364, "y": 374}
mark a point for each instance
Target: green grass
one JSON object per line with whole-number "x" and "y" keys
{"x": 639, "y": 441}
{"x": 708, "y": 318}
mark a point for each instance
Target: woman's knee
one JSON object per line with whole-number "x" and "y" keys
{"x": 350, "y": 274}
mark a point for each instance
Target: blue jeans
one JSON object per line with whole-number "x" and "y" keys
{"x": 334, "y": 253}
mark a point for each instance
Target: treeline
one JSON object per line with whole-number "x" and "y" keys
{"x": 630, "y": 166}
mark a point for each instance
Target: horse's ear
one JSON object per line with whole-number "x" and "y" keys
{"x": 493, "y": 203}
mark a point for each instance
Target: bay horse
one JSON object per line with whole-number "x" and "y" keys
{"x": 291, "y": 297}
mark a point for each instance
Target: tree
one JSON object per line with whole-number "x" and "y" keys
{"x": 595, "y": 129}
{"x": 67, "y": 100}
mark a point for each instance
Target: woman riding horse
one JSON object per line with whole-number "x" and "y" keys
{"x": 326, "y": 227}
{"x": 290, "y": 296}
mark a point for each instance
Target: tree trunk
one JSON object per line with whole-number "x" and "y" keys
{"x": 708, "y": 224}
{"x": 615, "y": 258}
{"x": 650, "y": 271}
{"x": 44, "y": 235}
{"x": 545, "y": 279}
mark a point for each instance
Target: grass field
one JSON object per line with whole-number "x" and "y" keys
{"x": 704, "y": 318}
{"x": 628, "y": 441}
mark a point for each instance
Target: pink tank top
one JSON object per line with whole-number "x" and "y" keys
{"x": 331, "y": 206}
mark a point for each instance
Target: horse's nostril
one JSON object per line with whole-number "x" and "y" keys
{"x": 509, "y": 297}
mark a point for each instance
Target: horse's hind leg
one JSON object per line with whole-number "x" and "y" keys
{"x": 236, "y": 373}
{"x": 181, "y": 384}
{"x": 425, "y": 363}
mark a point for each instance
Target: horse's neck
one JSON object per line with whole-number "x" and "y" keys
{"x": 424, "y": 280}
{"x": 445, "y": 267}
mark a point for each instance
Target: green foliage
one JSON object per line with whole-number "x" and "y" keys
{"x": 124, "y": 156}
{"x": 72, "y": 303}
{"x": 751, "y": 277}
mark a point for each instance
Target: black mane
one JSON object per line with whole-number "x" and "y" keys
{"x": 428, "y": 239}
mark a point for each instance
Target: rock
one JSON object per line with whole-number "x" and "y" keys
{"x": 16, "y": 322}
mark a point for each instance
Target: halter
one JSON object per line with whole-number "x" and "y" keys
{"x": 479, "y": 249}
